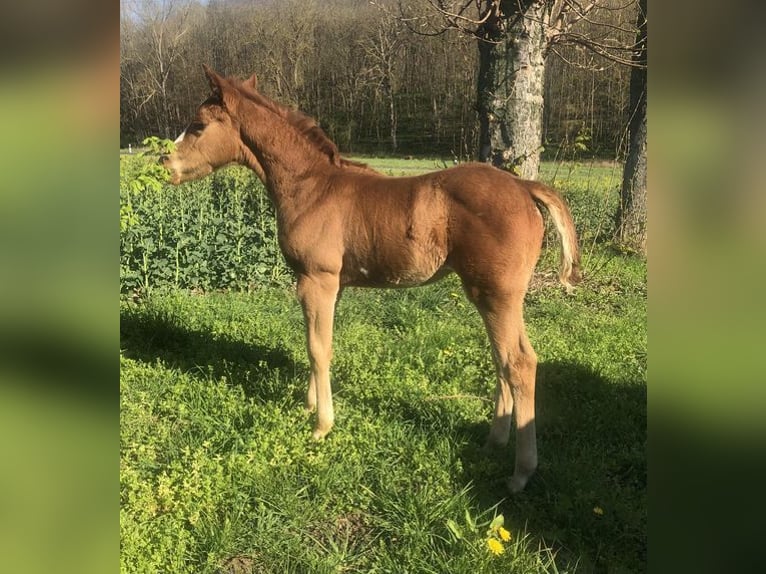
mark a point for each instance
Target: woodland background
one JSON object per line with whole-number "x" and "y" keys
{"x": 374, "y": 85}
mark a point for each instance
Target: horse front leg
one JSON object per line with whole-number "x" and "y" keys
{"x": 317, "y": 294}
{"x": 311, "y": 394}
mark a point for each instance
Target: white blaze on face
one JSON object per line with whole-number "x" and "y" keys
{"x": 180, "y": 138}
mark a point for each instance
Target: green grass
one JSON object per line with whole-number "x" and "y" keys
{"x": 218, "y": 470}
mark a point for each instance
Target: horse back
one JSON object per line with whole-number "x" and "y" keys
{"x": 409, "y": 230}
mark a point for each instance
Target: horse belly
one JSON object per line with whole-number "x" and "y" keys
{"x": 404, "y": 265}
{"x": 400, "y": 243}
{"x": 410, "y": 276}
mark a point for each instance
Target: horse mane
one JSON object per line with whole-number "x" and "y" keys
{"x": 306, "y": 126}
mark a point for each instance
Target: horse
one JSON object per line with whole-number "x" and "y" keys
{"x": 341, "y": 224}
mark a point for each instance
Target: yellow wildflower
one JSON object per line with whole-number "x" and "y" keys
{"x": 495, "y": 546}
{"x": 598, "y": 510}
{"x": 504, "y": 534}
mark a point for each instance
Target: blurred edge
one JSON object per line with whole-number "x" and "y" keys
{"x": 59, "y": 385}
{"x": 707, "y": 269}
{"x": 58, "y": 320}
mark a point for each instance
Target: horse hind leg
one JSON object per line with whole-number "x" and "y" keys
{"x": 523, "y": 388}
{"x": 515, "y": 364}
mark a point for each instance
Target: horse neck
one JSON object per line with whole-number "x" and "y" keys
{"x": 287, "y": 160}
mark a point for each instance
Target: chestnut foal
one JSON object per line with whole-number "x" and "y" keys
{"x": 341, "y": 224}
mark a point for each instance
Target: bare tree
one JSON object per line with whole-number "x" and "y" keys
{"x": 510, "y": 85}
{"x": 514, "y": 38}
{"x": 368, "y": 81}
{"x": 383, "y": 51}
{"x": 631, "y": 213}
{"x": 155, "y": 31}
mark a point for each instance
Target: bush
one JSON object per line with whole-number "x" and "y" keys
{"x": 216, "y": 233}
{"x": 220, "y": 233}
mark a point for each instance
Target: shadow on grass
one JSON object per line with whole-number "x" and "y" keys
{"x": 259, "y": 369}
{"x": 587, "y": 500}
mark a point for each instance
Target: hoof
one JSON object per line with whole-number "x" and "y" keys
{"x": 319, "y": 434}
{"x": 520, "y": 477}
{"x": 516, "y": 483}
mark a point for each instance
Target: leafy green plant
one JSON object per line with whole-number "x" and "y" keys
{"x": 220, "y": 233}
{"x": 147, "y": 176}
{"x": 217, "y": 233}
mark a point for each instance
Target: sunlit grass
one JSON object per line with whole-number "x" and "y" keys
{"x": 218, "y": 470}
{"x": 217, "y": 460}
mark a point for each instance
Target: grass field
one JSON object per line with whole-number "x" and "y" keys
{"x": 219, "y": 472}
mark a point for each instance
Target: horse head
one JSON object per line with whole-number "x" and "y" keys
{"x": 212, "y": 139}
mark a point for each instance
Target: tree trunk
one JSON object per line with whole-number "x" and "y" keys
{"x": 510, "y": 86}
{"x": 388, "y": 89}
{"x": 631, "y": 213}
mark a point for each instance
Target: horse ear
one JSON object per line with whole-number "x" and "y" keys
{"x": 214, "y": 79}
{"x": 222, "y": 89}
{"x": 252, "y": 82}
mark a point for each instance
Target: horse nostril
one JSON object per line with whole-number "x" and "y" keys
{"x": 163, "y": 160}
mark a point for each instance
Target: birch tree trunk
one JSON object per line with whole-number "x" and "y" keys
{"x": 510, "y": 86}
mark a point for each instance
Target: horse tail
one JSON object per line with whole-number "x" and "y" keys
{"x": 569, "y": 268}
